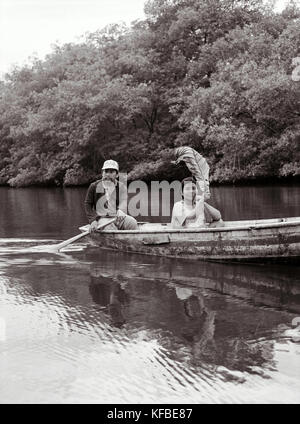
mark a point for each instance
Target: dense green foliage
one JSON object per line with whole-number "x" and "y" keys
{"x": 212, "y": 74}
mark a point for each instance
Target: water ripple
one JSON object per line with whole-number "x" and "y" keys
{"x": 174, "y": 342}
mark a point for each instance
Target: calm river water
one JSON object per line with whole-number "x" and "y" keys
{"x": 89, "y": 325}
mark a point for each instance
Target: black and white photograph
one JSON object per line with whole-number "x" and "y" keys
{"x": 149, "y": 205}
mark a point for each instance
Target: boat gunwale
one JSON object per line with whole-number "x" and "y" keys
{"x": 247, "y": 227}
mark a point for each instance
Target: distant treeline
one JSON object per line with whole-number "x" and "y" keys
{"x": 217, "y": 75}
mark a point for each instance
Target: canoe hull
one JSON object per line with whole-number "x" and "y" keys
{"x": 260, "y": 242}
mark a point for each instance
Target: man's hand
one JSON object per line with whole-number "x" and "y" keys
{"x": 93, "y": 226}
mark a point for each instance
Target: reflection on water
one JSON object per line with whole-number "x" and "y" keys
{"x": 88, "y": 325}
{"x": 96, "y": 326}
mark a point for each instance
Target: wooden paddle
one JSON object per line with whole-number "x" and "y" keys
{"x": 65, "y": 243}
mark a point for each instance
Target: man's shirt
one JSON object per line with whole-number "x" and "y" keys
{"x": 103, "y": 201}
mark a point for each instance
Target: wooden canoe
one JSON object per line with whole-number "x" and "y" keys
{"x": 247, "y": 241}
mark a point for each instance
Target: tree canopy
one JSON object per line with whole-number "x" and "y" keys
{"x": 212, "y": 74}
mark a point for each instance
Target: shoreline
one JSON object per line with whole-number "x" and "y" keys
{"x": 260, "y": 181}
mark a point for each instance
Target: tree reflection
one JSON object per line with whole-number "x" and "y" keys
{"x": 228, "y": 348}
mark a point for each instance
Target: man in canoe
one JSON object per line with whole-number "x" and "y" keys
{"x": 192, "y": 211}
{"x": 107, "y": 198}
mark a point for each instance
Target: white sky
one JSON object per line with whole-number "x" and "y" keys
{"x": 29, "y": 27}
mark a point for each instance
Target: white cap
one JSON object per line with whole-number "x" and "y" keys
{"x": 110, "y": 164}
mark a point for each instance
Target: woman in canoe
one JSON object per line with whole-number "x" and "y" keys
{"x": 192, "y": 211}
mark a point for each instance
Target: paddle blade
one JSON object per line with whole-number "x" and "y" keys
{"x": 58, "y": 247}
{"x": 65, "y": 243}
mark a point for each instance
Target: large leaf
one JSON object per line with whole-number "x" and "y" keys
{"x": 196, "y": 163}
